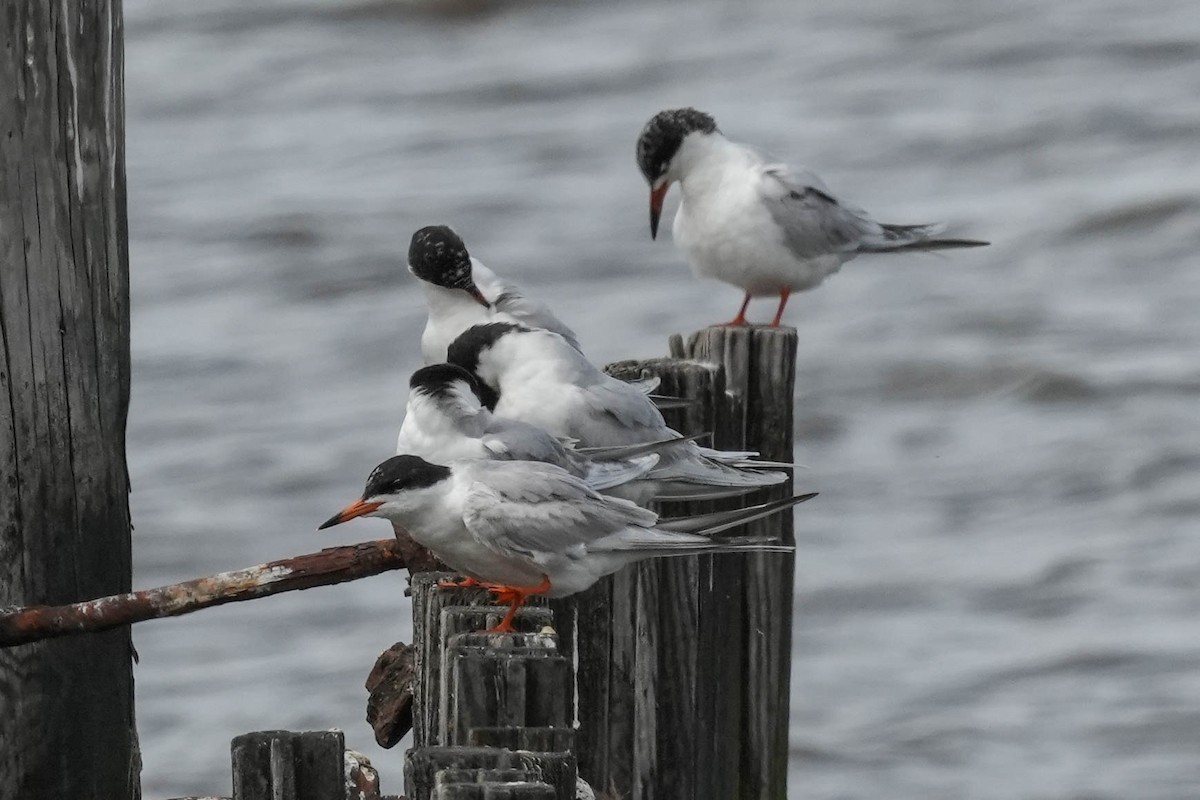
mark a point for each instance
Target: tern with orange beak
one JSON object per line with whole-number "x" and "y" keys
{"x": 461, "y": 292}
{"x": 754, "y": 223}
{"x": 525, "y": 528}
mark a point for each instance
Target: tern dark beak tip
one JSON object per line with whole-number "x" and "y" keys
{"x": 656, "y": 204}
{"x": 358, "y": 508}
{"x": 477, "y": 295}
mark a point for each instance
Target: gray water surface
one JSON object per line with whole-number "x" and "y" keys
{"x": 997, "y": 591}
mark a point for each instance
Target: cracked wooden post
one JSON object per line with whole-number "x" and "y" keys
{"x": 64, "y": 392}
{"x": 282, "y": 765}
{"x": 684, "y": 663}
{"x": 492, "y": 713}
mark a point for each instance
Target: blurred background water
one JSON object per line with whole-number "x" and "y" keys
{"x": 997, "y": 591}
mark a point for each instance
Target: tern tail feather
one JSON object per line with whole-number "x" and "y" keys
{"x": 642, "y": 543}
{"x": 692, "y": 535}
{"x": 714, "y": 473}
{"x": 630, "y": 450}
{"x": 607, "y": 474}
{"x": 718, "y": 521}
{"x": 683, "y": 491}
{"x": 915, "y": 237}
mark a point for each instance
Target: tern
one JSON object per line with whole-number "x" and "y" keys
{"x": 540, "y": 379}
{"x": 754, "y": 223}
{"x": 447, "y": 419}
{"x": 525, "y": 528}
{"x": 461, "y": 292}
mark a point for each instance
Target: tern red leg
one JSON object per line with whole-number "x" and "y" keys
{"x": 740, "y": 319}
{"x": 516, "y": 597}
{"x": 784, "y": 294}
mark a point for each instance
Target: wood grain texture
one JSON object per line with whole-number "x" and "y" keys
{"x": 438, "y": 615}
{"x": 284, "y": 765}
{"x": 759, "y": 365}
{"x": 486, "y": 702}
{"x": 66, "y": 708}
{"x": 639, "y": 637}
{"x": 519, "y": 681}
{"x": 428, "y": 769}
{"x": 683, "y": 662}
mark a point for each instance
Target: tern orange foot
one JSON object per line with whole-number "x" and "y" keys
{"x": 740, "y": 319}
{"x": 784, "y": 294}
{"x": 464, "y": 582}
{"x": 515, "y": 596}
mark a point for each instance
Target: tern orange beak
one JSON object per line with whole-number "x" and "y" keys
{"x": 356, "y": 509}
{"x": 656, "y": 203}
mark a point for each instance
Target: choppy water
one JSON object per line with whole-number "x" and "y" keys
{"x": 997, "y": 591}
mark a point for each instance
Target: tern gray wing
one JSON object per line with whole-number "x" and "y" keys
{"x": 813, "y": 221}
{"x": 614, "y": 413}
{"x": 528, "y": 508}
{"x": 646, "y": 385}
{"x": 533, "y": 314}
{"x": 513, "y": 440}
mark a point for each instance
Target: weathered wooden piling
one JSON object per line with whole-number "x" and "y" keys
{"x": 303, "y": 766}
{"x": 684, "y": 663}
{"x": 487, "y": 702}
{"x": 66, "y": 708}
{"x": 310, "y": 765}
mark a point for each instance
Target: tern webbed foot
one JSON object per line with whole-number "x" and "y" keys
{"x": 515, "y": 596}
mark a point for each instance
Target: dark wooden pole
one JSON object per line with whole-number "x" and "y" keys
{"x": 66, "y": 708}
{"x": 760, "y": 377}
{"x": 684, "y": 663}
{"x": 282, "y": 765}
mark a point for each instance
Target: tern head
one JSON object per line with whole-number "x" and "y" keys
{"x": 451, "y": 385}
{"x": 438, "y": 255}
{"x": 474, "y": 347}
{"x": 395, "y": 489}
{"x": 657, "y": 147}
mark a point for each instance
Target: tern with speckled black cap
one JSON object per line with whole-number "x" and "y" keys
{"x": 524, "y": 528}
{"x": 754, "y": 223}
{"x": 461, "y": 292}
